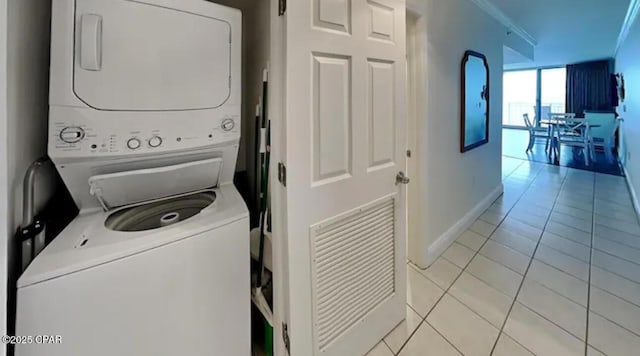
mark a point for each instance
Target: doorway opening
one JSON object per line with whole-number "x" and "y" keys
{"x": 416, "y": 96}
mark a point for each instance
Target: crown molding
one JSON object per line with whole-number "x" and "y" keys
{"x": 499, "y": 15}
{"x": 632, "y": 14}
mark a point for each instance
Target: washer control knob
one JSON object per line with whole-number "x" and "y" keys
{"x": 72, "y": 134}
{"x": 133, "y": 143}
{"x": 155, "y": 141}
{"x": 228, "y": 124}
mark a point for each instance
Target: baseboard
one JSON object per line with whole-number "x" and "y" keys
{"x": 445, "y": 240}
{"x": 634, "y": 196}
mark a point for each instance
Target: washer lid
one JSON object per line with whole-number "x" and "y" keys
{"x": 124, "y": 188}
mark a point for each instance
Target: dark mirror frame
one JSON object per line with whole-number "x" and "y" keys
{"x": 465, "y": 59}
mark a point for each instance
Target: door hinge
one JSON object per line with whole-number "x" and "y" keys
{"x": 285, "y": 337}
{"x": 282, "y": 173}
{"x": 282, "y": 7}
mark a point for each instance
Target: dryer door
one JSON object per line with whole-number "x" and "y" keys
{"x": 135, "y": 56}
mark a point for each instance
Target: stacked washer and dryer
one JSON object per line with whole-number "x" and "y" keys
{"x": 144, "y": 128}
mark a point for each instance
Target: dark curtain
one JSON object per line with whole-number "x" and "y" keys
{"x": 589, "y": 87}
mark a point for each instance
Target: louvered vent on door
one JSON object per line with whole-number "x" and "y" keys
{"x": 352, "y": 268}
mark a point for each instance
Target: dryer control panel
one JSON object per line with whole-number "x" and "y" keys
{"x": 73, "y": 134}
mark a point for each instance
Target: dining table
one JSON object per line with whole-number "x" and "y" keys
{"x": 554, "y": 123}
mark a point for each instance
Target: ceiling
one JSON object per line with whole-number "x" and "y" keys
{"x": 565, "y": 31}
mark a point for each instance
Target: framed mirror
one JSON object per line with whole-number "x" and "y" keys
{"x": 475, "y": 101}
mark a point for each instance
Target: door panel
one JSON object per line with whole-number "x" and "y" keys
{"x": 381, "y": 103}
{"x": 332, "y": 14}
{"x": 381, "y": 25}
{"x": 331, "y": 117}
{"x": 345, "y": 113}
{"x": 129, "y": 56}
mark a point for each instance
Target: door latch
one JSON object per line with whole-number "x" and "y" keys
{"x": 401, "y": 178}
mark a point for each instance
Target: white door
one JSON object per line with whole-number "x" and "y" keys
{"x": 345, "y": 108}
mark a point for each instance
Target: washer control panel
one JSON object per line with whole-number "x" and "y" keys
{"x": 71, "y": 134}
{"x": 133, "y": 143}
{"x": 78, "y": 136}
{"x": 155, "y": 141}
{"x": 228, "y": 124}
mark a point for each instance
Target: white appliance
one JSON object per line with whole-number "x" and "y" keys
{"x": 144, "y": 129}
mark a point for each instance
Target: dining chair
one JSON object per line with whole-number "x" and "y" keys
{"x": 575, "y": 133}
{"x": 603, "y": 134}
{"x": 536, "y": 133}
{"x": 545, "y": 111}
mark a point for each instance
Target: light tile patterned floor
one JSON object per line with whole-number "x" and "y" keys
{"x": 551, "y": 268}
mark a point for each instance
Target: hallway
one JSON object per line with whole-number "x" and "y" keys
{"x": 514, "y": 142}
{"x": 551, "y": 268}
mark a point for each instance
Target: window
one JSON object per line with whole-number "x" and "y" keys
{"x": 536, "y": 92}
{"x": 520, "y": 90}
{"x": 554, "y": 89}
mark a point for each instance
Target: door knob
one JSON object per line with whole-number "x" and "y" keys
{"x": 401, "y": 178}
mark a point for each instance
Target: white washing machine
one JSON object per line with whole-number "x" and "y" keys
{"x": 144, "y": 129}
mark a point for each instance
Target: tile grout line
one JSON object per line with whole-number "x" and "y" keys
{"x": 615, "y": 322}
{"x": 616, "y": 229}
{"x": 592, "y": 250}
{"x": 387, "y": 346}
{"x": 619, "y": 276}
{"x": 615, "y": 273}
{"x": 446, "y": 291}
{"x": 500, "y": 263}
{"x": 410, "y": 336}
{"x": 554, "y": 248}
{"x": 533, "y": 311}
{"x": 555, "y": 292}
{"x": 593, "y": 229}
{"x": 637, "y": 263}
{"x": 437, "y": 332}
{"x": 559, "y": 269}
{"x": 568, "y": 215}
{"x": 530, "y": 309}
{"x": 515, "y": 299}
{"x": 571, "y": 227}
{"x": 473, "y": 311}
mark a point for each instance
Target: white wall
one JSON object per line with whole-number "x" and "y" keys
{"x": 27, "y": 75}
{"x": 628, "y": 63}
{"x": 517, "y": 44}
{"x": 453, "y": 186}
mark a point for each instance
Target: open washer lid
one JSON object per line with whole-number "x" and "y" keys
{"x": 123, "y": 188}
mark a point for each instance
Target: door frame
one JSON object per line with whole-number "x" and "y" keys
{"x": 276, "y": 111}
{"x": 416, "y": 119}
